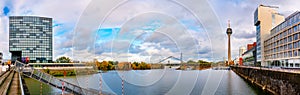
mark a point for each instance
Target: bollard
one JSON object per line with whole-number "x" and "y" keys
{"x": 62, "y": 88}
{"x": 63, "y": 84}
{"x": 100, "y": 93}
{"x": 41, "y": 89}
{"x": 123, "y": 83}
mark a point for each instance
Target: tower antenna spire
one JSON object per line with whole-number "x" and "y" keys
{"x": 228, "y": 23}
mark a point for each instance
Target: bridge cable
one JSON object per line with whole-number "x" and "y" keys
{"x": 100, "y": 93}
{"x": 123, "y": 92}
{"x": 41, "y": 88}
{"x": 87, "y": 81}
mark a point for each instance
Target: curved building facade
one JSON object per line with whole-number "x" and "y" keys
{"x": 265, "y": 18}
{"x": 283, "y": 45}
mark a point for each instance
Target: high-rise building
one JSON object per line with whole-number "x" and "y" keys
{"x": 282, "y": 47}
{"x": 250, "y": 46}
{"x": 265, "y": 18}
{"x": 249, "y": 56}
{"x": 30, "y": 36}
{"x": 242, "y": 50}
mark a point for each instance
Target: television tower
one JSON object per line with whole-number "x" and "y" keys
{"x": 229, "y": 32}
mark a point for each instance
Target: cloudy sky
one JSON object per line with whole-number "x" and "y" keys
{"x": 142, "y": 30}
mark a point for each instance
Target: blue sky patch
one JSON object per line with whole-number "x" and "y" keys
{"x": 6, "y": 10}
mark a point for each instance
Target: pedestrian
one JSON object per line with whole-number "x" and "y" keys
{"x": 8, "y": 63}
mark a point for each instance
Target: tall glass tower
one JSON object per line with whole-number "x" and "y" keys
{"x": 30, "y": 36}
{"x": 265, "y": 18}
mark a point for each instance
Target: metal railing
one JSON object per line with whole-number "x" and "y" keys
{"x": 51, "y": 80}
{"x": 21, "y": 84}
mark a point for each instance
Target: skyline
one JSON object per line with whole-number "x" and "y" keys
{"x": 66, "y": 19}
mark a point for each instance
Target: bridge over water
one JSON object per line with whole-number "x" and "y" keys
{"x": 12, "y": 79}
{"x": 8, "y": 79}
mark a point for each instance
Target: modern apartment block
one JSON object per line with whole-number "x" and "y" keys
{"x": 249, "y": 56}
{"x": 282, "y": 47}
{"x": 242, "y": 50}
{"x": 30, "y": 36}
{"x": 265, "y": 18}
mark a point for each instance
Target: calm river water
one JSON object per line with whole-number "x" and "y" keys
{"x": 158, "y": 82}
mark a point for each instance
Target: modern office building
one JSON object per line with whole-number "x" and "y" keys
{"x": 242, "y": 50}
{"x": 265, "y": 18}
{"x": 282, "y": 47}
{"x": 250, "y": 46}
{"x": 249, "y": 57}
{"x": 238, "y": 60}
{"x": 30, "y": 36}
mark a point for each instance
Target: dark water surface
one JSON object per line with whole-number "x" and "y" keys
{"x": 158, "y": 82}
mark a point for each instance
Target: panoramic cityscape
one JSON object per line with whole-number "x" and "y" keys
{"x": 149, "y": 47}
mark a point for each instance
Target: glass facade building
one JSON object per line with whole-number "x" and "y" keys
{"x": 30, "y": 36}
{"x": 283, "y": 45}
{"x": 265, "y": 18}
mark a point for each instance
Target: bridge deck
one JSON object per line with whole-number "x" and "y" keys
{"x": 57, "y": 83}
{"x": 53, "y": 81}
{"x": 9, "y": 83}
{"x": 14, "y": 88}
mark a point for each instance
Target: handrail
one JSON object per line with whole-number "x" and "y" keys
{"x": 44, "y": 77}
{"x": 21, "y": 85}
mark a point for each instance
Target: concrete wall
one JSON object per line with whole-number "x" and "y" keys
{"x": 275, "y": 82}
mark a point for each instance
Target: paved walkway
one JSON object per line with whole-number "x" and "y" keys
{"x": 14, "y": 88}
{"x": 275, "y": 69}
{"x": 3, "y": 68}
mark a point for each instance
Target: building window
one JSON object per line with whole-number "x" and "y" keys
{"x": 285, "y": 40}
{"x": 290, "y": 46}
{"x": 273, "y": 20}
{"x": 295, "y": 36}
{"x": 285, "y": 33}
{"x": 290, "y": 39}
{"x": 295, "y": 45}
{"x": 290, "y": 54}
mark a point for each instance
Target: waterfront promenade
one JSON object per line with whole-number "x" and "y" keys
{"x": 10, "y": 81}
{"x": 272, "y": 80}
{"x": 277, "y": 69}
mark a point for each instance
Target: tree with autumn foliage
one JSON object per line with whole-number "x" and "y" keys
{"x": 140, "y": 66}
{"x": 105, "y": 65}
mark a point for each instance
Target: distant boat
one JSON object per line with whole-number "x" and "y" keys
{"x": 188, "y": 68}
{"x": 172, "y": 67}
{"x": 221, "y": 68}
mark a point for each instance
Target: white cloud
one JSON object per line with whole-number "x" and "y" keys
{"x": 241, "y": 15}
{"x": 65, "y": 12}
{"x": 198, "y": 40}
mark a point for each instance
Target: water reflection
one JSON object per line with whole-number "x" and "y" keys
{"x": 193, "y": 82}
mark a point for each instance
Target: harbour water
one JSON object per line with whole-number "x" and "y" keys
{"x": 157, "y": 82}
